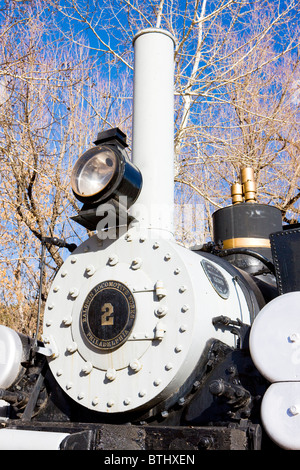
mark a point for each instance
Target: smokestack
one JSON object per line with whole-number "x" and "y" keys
{"x": 153, "y": 128}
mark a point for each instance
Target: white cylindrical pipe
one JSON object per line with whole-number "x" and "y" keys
{"x": 153, "y": 128}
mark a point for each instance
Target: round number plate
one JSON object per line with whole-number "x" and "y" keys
{"x": 216, "y": 279}
{"x": 108, "y": 315}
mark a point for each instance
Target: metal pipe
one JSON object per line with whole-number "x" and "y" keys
{"x": 153, "y": 128}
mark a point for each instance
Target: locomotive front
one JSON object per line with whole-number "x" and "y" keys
{"x": 138, "y": 329}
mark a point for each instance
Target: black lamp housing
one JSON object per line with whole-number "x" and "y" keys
{"x": 102, "y": 175}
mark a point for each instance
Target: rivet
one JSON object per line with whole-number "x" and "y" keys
{"x": 111, "y": 374}
{"x": 155, "y": 245}
{"x": 167, "y": 256}
{"x": 48, "y": 322}
{"x": 177, "y": 271}
{"x": 128, "y": 237}
{"x": 69, "y": 385}
{"x": 72, "y": 347}
{"x": 90, "y": 270}
{"x": 73, "y": 292}
{"x": 142, "y": 393}
{"x": 64, "y": 273}
{"x": 294, "y": 410}
{"x": 136, "y": 263}
{"x": 135, "y": 365}
{"x": 294, "y": 337}
{"x": 185, "y": 308}
{"x": 80, "y": 396}
{"x": 127, "y": 401}
{"x": 59, "y": 372}
{"x": 182, "y": 289}
{"x": 87, "y": 368}
{"x": 142, "y": 239}
{"x": 183, "y": 328}
{"x": 73, "y": 259}
{"x": 113, "y": 260}
{"x": 67, "y": 321}
{"x": 178, "y": 348}
{"x": 55, "y": 288}
{"x": 157, "y": 382}
{"x": 50, "y": 307}
{"x": 110, "y": 403}
{"x": 95, "y": 401}
{"x": 169, "y": 366}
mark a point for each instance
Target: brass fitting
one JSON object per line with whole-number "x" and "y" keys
{"x": 237, "y": 193}
{"x": 248, "y": 183}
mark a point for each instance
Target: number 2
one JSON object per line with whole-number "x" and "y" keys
{"x": 107, "y": 314}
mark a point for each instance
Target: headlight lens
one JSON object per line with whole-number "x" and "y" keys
{"x": 94, "y": 171}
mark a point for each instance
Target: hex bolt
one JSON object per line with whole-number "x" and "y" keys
{"x": 161, "y": 311}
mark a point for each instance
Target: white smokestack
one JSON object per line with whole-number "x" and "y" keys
{"x": 153, "y": 128}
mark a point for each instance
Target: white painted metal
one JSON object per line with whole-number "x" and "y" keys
{"x": 11, "y": 352}
{"x": 275, "y": 339}
{"x": 18, "y": 439}
{"x": 4, "y": 410}
{"x": 280, "y": 413}
{"x": 153, "y": 128}
{"x": 170, "y": 330}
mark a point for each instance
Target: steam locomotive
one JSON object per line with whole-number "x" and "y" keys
{"x": 148, "y": 345}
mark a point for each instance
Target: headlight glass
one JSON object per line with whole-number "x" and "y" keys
{"x": 94, "y": 171}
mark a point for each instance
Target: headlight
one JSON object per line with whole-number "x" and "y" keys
{"x": 93, "y": 172}
{"x": 105, "y": 172}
